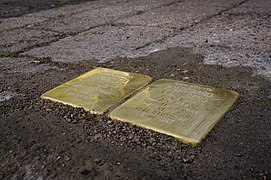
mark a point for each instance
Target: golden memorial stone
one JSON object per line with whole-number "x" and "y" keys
{"x": 183, "y": 110}
{"x": 97, "y": 90}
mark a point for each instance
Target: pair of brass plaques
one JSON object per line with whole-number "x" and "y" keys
{"x": 183, "y": 110}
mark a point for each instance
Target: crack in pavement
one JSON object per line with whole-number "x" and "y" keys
{"x": 178, "y": 31}
{"x": 62, "y": 35}
{"x": 76, "y": 13}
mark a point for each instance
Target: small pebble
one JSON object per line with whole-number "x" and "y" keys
{"x": 36, "y": 62}
{"x": 97, "y": 161}
{"x": 74, "y": 121}
{"x": 68, "y": 120}
{"x": 67, "y": 158}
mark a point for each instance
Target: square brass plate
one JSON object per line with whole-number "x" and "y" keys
{"x": 97, "y": 90}
{"x": 184, "y": 110}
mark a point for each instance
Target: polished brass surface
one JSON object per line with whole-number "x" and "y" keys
{"x": 97, "y": 90}
{"x": 184, "y": 110}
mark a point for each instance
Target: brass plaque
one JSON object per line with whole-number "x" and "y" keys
{"x": 97, "y": 90}
{"x": 184, "y": 110}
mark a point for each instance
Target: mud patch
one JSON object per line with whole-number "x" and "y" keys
{"x": 68, "y": 143}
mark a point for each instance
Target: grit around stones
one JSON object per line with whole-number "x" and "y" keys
{"x": 224, "y": 44}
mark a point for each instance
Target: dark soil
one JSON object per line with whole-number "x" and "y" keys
{"x": 13, "y": 8}
{"x": 42, "y": 139}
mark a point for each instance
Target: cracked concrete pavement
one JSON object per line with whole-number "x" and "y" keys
{"x": 229, "y": 33}
{"x": 226, "y": 35}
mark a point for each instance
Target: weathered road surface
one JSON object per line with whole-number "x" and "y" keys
{"x": 214, "y": 42}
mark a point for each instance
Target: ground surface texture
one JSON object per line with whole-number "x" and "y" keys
{"x": 217, "y": 43}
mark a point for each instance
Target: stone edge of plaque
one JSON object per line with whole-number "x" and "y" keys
{"x": 44, "y": 96}
{"x": 183, "y": 139}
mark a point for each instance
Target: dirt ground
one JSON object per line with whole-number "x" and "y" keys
{"x": 44, "y": 140}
